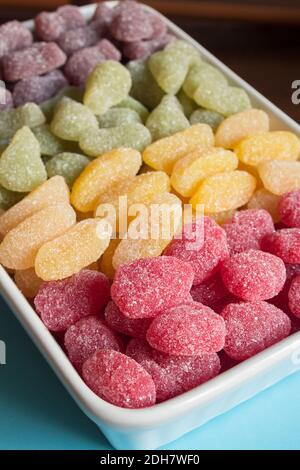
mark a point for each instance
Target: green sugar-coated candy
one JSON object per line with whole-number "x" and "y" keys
{"x": 11, "y": 120}
{"x": 187, "y": 103}
{"x": 48, "y": 107}
{"x": 21, "y": 166}
{"x": 115, "y": 117}
{"x": 66, "y": 164}
{"x": 144, "y": 87}
{"x": 71, "y": 119}
{"x": 170, "y": 66}
{"x": 9, "y": 198}
{"x": 95, "y": 143}
{"x": 131, "y": 103}
{"x": 167, "y": 118}
{"x": 3, "y": 144}
{"x": 225, "y": 100}
{"x": 50, "y": 144}
{"x": 204, "y": 116}
{"x": 203, "y": 75}
{"x": 107, "y": 85}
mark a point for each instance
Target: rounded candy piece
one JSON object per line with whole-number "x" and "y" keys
{"x": 134, "y": 105}
{"x": 253, "y": 275}
{"x": 167, "y": 118}
{"x": 12, "y": 120}
{"x": 62, "y": 303}
{"x": 284, "y": 243}
{"x": 188, "y": 105}
{"x": 28, "y": 282}
{"x": 187, "y": 330}
{"x": 50, "y": 26}
{"x": 86, "y": 336}
{"x": 142, "y": 80}
{"x": 131, "y": 23}
{"x": 137, "y": 328}
{"x": 39, "y": 88}
{"x": 253, "y": 327}
{"x": 74, "y": 39}
{"x": 263, "y": 199}
{"x": 205, "y": 116}
{"x": 280, "y": 177}
{"x": 147, "y": 287}
{"x": 294, "y": 296}
{"x": 247, "y": 228}
{"x": 143, "y": 49}
{"x": 205, "y": 75}
{"x": 116, "y": 117}
{"x": 67, "y": 164}
{"x": 14, "y": 35}
{"x": 289, "y": 209}
{"x": 49, "y": 144}
{"x": 210, "y": 292}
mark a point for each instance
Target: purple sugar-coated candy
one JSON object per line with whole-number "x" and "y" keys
{"x": 131, "y": 23}
{"x": 50, "y": 26}
{"x": 6, "y": 99}
{"x": 38, "y": 59}
{"x": 159, "y": 27}
{"x": 109, "y": 51}
{"x": 39, "y": 88}
{"x": 75, "y": 39}
{"x": 143, "y": 49}
{"x": 13, "y": 36}
{"x": 104, "y": 15}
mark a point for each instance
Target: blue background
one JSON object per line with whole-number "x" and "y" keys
{"x": 37, "y": 413}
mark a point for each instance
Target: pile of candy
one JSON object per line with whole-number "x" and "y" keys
{"x": 146, "y": 319}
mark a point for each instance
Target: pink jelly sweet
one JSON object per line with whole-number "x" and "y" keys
{"x": 281, "y": 300}
{"x": 39, "y": 88}
{"x": 294, "y": 296}
{"x": 205, "y": 251}
{"x": 187, "y": 330}
{"x": 285, "y": 244}
{"x": 253, "y": 327}
{"x": 173, "y": 375}
{"x": 253, "y": 275}
{"x": 88, "y": 335}
{"x": 37, "y": 59}
{"x": 50, "y": 26}
{"x": 146, "y": 287}
{"x": 62, "y": 303}
{"x": 131, "y": 23}
{"x": 75, "y": 39}
{"x": 210, "y": 292}
{"x": 142, "y": 49}
{"x": 13, "y": 36}
{"x": 289, "y": 209}
{"x": 247, "y": 228}
{"x": 119, "y": 379}
{"x": 137, "y": 328}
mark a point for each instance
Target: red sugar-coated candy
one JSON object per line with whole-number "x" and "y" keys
{"x": 285, "y": 244}
{"x": 50, "y": 26}
{"x": 253, "y": 275}
{"x": 13, "y": 36}
{"x": 131, "y": 23}
{"x": 38, "y": 59}
{"x": 289, "y": 209}
{"x": 117, "y": 321}
{"x": 6, "y": 100}
{"x": 210, "y": 292}
{"x": 39, "y": 88}
{"x": 247, "y": 228}
{"x": 143, "y": 49}
{"x": 281, "y": 300}
{"x": 82, "y": 62}
{"x": 294, "y": 296}
{"x": 173, "y": 375}
{"x": 203, "y": 245}
{"x": 187, "y": 330}
{"x": 75, "y": 39}
{"x": 87, "y": 336}
{"x": 62, "y": 303}
{"x": 119, "y": 379}
{"x": 146, "y": 287}
{"x": 253, "y": 327}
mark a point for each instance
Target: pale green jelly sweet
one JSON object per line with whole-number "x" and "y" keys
{"x": 135, "y": 105}
{"x": 107, "y": 85}
{"x": 115, "y": 117}
{"x": 167, "y": 118}
{"x": 21, "y": 166}
{"x": 187, "y": 103}
{"x": 144, "y": 87}
{"x": 203, "y": 75}
{"x": 204, "y": 116}
{"x": 72, "y": 119}
{"x": 48, "y": 107}
{"x": 95, "y": 143}
{"x": 66, "y": 164}
{"x": 225, "y": 100}
{"x": 50, "y": 145}
{"x": 11, "y": 120}
{"x": 9, "y": 198}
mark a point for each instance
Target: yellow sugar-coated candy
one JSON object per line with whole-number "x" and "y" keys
{"x": 198, "y": 165}
{"x": 224, "y": 191}
{"x": 106, "y": 266}
{"x": 222, "y": 217}
{"x": 150, "y": 233}
{"x": 164, "y": 153}
{"x": 20, "y": 246}
{"x": 80, "y": 246}
{"x": 280, "y": 177}
{"x": 276, "y": 145}
{"x": 252, "y": 170}
{"x": 111, "y": 168}
{"x": 53, "y": 191}
{"x": 28, "y": 282}
{"x": 263, "y": 199}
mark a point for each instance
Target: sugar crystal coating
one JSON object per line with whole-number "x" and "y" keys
{"x": 284, "y": 243}
{"x": 39, "y": 88}
{"x": 143, "y": 49}
{"x": 201, "y": 72}
{"x": 116, "y": 117}
{"x": 137, "y": 328}
{"x": 294, "y": 296}
{"x": 187, "y": 330}
{"x": 188, "y": 105}
{"x": 210, "y": 292}
{"x": 67, "y": 164}
{"x": 62, "y": 303}
{"x": 131, "y": 23}
{"x": 205, "y": 116}
{"x": 253, "y": 327}
{"x": 139, "y": 108}
{"x": 147, "y": 287}
{"x": 253, "y": 275}
{"x": 86, "y": 336}
{"x": 119, "y": 380}
{"x": 280, "y": 177}
{"x": 167, "y": 118}
{"x": 74, "y": 39}
{"x": 50, "y": 145}
{"x": 11, "y": 120}
{"x": 28, "y": 282}
{"x": 289, "y": 209}
{"x": 13, "y": 36}
{"x": 263, "y": 199}
{"x": 142, "y": 80}
{"x": 50, "y": 26}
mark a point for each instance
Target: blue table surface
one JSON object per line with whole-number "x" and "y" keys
{"x": 36, "y": 412}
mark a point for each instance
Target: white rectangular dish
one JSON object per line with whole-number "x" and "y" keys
{"x": 156, "y": 426}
